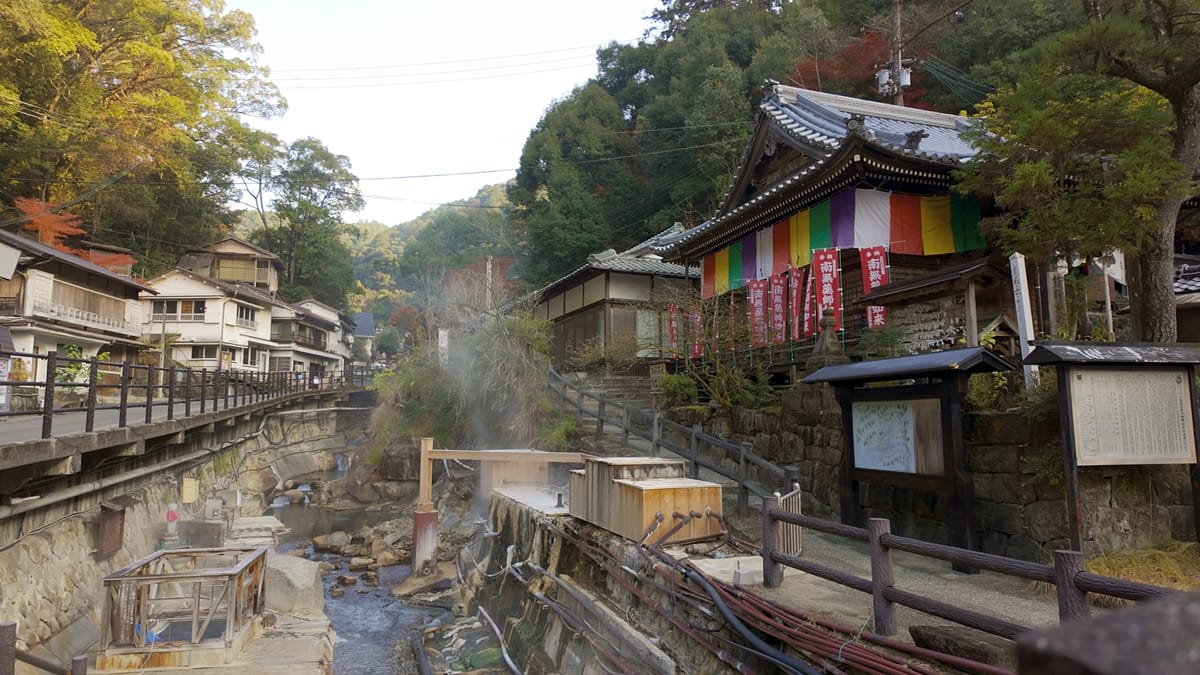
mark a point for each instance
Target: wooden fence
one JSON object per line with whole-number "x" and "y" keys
{"x": 734, "y": 461}
{"x": 1069, "y": 575}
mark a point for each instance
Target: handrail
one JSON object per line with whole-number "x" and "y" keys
{"x": 154, "y": 389}
{"x": 9, "y": 655}
{"x": 651, "y": 426}
{"x": 1069, "y": 575}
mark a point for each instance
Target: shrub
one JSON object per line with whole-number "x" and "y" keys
{"x": 677, "y": 390}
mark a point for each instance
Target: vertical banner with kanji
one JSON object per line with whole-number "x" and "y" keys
{"x": 796, "y": 300}
{"x": 809, "y": 310}
{"x": 697, "y": 324}
{"x": 673, "y": 330}
{"x": 828, "y": 284}
{"x": 875, "y": 274}
{"x": 756, "y": 302}
{"x": 778, "y": 309}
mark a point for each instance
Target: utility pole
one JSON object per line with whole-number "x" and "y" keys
{"x": 897, "y": 61}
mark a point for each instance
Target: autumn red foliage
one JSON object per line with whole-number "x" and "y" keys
{"x": 54, "y": 227}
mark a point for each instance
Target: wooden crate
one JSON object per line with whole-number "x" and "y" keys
{"x": 624, "y": 494}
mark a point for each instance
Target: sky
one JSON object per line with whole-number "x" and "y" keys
{"x": 430, "y": 101}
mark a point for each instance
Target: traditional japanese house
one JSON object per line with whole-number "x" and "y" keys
{"x": 608, "y": 304}
{"x": 847, "y": 204}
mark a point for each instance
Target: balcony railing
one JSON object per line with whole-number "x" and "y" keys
{"x": 54, "y": 310}
{"x": 247, "y": 323}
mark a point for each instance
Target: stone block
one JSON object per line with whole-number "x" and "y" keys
{"x": 293, "y": 585}
{"x": 1047, "y": 520}
{"x": 1022, "y": 547}
{"x": 993, "y": 459}
{"x": 1147, "y": 639}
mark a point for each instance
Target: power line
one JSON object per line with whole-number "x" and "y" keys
{"x": 380, "y": 85}
{"x": 588, "y": 57}
{"x": 443, "y": 63}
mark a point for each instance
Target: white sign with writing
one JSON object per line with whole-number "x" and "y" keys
{"x": 884, "y": 436}
{"x": 1122, "y": 416}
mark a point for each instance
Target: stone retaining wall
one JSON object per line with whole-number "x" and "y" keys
{"x": 1019, "y": 506}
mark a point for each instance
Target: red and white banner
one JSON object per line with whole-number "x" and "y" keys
{"x": 809, "y": 310}
{"x": 696, "y": 350}
{"x": 875, "y": 274}
{"x": 778, "y": 309}
{"x": 828, "y": 284}
{"x": 796, "y": 295}
{"x": 756, "y": 302}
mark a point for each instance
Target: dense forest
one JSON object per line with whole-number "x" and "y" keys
{"x": 132, "y": 116}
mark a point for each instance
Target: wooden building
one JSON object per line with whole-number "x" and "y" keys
{"x": 848, "y": 203}
{"x": 607, "y": 305}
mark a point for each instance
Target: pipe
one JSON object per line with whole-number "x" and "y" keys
{"x": 500, "y": 639}
{"x": 783, "y": 660}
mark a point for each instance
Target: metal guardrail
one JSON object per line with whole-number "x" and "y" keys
{"x": 753, "y": 473}
{"x": 1069, "y": 576}
{"x": 9, "y": 655}
{"x": 79, "y": 385}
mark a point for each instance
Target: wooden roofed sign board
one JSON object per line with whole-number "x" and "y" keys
{"x": 1122, "y": 404}
{"x": 902, "y": 427}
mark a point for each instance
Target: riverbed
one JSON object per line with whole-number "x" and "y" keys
{"x": 373, "y": 628}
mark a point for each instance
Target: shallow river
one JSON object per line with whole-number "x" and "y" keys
{"x": 368, "y": 620}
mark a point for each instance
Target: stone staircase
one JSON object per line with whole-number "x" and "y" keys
{"x": 632, "y": 390}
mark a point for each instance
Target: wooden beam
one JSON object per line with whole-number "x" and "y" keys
{"x": 502, "y": 455}
{"x": 972, "y": 316}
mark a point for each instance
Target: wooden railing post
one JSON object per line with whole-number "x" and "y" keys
{"x": 1072, "y": 602}
{"x": 126, "y": 377}
{"x": 772, "y": 571}
{"x": 743, "y": 500}
{"x": 881, "y": 577}
{"x": 600, "y": 415}
{"x": 89, "y": 422}
{"x": 78, "y": 665}
{"x": 694, "y": 451}
{"x": 48, "y": 394}
{"x": 8, "y": 647}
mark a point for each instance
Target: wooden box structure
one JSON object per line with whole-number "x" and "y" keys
{"x": 624, "y": 495}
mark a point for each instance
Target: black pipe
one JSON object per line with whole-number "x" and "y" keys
{"x": 792, "y": 665}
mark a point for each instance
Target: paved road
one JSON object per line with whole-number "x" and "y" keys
{"x": 18, "y": 428}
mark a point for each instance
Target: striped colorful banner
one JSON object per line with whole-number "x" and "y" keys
{"x": 902, "y": 223}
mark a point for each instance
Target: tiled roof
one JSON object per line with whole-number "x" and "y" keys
{"x": 1187, "y": 279}
{"x": 636, "y": 260}
{"x": 822, "y": 122}
{"x": 364, "y": 324}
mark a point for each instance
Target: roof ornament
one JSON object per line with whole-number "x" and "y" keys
{"x": 603, "y": 256}
{"x": 912, "y": 140}
{"x": 857, "y": 125}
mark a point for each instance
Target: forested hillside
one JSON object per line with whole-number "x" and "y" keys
{"x": 133, "y": 116}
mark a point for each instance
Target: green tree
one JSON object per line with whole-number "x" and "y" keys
{"x": 1156, "y": 46}
{"x": 312, "y": 189}
{"x": 116, "y": 110}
